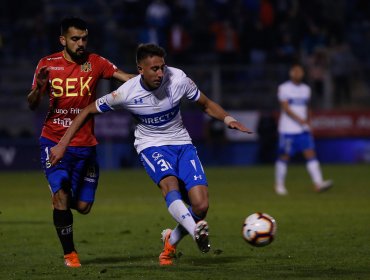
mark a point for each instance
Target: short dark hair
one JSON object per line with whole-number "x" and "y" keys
{"x": 72, "y": 22}
{"x": 296, "y": 64}
{"x": 148, "y": 50}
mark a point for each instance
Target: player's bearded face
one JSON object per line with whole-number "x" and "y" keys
{"x": 75, "y": 42}
{"x": 152, "y": 71}
{"x": 76, "y": 54}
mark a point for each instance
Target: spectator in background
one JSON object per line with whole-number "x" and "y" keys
{"x": 341, "y": 64}
{"x": 226, "y": 40}
{"x": 317, "y": 65}
{"x": 286, "y": 51}
{"x": 158, "y": 14}
{"x": 39, "y": 43}
{"x": 150, "y": 34}
{"x": 179, "y": 42}
{"x": 314, "y": 37}
{"x": 267, "y": 14}
{"x": 200, "y": 33}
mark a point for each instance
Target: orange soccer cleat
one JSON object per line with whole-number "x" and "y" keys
{"x": 71, "y": 260}
{"x": 168, "y": 253}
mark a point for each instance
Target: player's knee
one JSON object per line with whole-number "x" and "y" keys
{"x": 60, "y": 200}
{"x": 200, "y": 209}
{"x": 84, "y": 207}
{"x": 309, "y": 154}
{"x": 284, "y": 157}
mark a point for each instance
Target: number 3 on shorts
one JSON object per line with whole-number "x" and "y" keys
{"x": 165, "y": 165}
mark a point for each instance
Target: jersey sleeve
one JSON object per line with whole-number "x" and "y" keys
{"x": 39, "y": 65}
{"x": 309, "y": 92}
{"x": 110, "y": 102}
{"x": 282, "y": 94}
{"x": 108, "y": 68}
{"x": 192, "y": 92}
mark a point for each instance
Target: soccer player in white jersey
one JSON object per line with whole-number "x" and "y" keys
{"x": 295, "y": 133}
{"x": 162, "y": 142}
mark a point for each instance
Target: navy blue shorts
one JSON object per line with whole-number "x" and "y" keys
{"x": 78, "y": 171}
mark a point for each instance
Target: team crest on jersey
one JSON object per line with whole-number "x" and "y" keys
{"x": 86, "y": 67}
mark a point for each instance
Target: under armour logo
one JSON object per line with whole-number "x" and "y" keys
{"x": 186, "y": 215}
{"x": 197, "y": 177}
{"x": 138, "y": 101}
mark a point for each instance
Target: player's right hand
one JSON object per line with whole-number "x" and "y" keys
{"x": 42, "y": 77}
{"x": 56, "y": 154}
{"x": 239, "y": 126}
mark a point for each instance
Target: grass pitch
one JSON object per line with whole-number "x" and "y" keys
{"x": 319, "y": 236}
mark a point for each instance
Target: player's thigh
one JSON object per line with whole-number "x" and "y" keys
{"x": 159, "y": 163}
{"x": 58, "y": 176}
{"x": 85, "y": 178}
{"x": 291, "y": 144}
{"x": 190, "y": 168}
{"x": 286, "y": 145}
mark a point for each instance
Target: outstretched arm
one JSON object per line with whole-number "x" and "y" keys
{"x": 216, "y": 111}
{"x": 57, "y": 152}
{"x": 34, "y": 97}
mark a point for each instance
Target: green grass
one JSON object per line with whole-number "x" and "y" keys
{"x": 319, "y": 236}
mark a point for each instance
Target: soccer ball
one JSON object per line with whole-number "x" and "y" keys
{"x": 259, "y": 229}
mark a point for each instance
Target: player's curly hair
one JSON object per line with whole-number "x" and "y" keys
{"x": 72, "y": 22}
{"x": 148, "y": 50}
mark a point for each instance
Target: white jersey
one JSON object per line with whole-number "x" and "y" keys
{"x": 157, "y": 112}
{"x": 298, "y": 97}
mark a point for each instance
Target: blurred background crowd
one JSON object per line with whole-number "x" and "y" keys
{"x": 237, "y": 51}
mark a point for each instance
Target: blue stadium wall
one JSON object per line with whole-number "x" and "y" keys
{"x": 341, "y": 137}
{"x": 24, "y": 155}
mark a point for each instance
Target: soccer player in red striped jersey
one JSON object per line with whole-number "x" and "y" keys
{"x": 70, "y": 78}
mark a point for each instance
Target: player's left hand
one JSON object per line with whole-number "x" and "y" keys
{"x": 239, "y": 126}
{"x": 56, "y": 154}
{"x": 42, "y": 77}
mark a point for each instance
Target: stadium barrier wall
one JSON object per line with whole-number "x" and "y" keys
{"x": 340, "y": 137}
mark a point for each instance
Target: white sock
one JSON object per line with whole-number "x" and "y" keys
{"x": 281, "y": 168}
{"x": 313, "y": 168}
{"x": 182, "y": 215}
{"x": 177, "y": 234}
